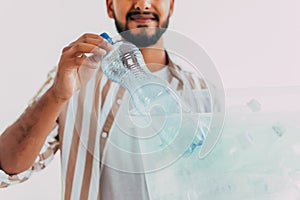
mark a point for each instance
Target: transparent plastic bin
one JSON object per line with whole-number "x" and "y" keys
{"x": 257, "y": 156}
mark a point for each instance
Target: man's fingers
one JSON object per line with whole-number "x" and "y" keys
{"x": 102, "y": 43}
{"x": 90, "y": 35}
{"x": 87, "y": 51}
{"x": 94, "y": 59}
{"x": 78, "y": 62}
{"x": 83, "y": 48}
{"x": 95, "y": 40}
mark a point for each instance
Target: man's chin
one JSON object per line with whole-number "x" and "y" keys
{"x": 141, "y": 37}
{"x": 143, "y": 30}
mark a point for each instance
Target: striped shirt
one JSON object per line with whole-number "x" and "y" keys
{"x": 84, "y": 127}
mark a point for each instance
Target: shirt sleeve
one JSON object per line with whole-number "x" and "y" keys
{"x": 48, "y": 150}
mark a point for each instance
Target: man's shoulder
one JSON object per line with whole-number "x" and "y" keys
{"x": 183, "y": 66}
{"x": 187, "y": 71}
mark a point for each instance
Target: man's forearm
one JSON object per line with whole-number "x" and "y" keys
{"x": 22, "y": 141}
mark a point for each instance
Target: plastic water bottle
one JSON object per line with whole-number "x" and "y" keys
{"x": 150, "y": 95}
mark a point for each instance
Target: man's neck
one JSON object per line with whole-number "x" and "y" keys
{"x": 155, "y": 56}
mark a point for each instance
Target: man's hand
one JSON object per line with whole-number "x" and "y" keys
{"x": 21, "y": 143}
{"x": 78, "y": 62}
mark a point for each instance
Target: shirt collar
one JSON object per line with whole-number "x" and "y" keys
{"x": 174, "y": 70}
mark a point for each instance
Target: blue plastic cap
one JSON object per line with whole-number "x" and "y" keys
{"x": 107, "y": 37}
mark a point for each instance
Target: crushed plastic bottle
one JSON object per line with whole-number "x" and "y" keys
{"x": 254, "y": 105}
{"x": 150, "y": 94}
{"x": 279, "y": 129}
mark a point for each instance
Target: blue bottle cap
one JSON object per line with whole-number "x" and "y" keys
{"x": 107, "y": 37}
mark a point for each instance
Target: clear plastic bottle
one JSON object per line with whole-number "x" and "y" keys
{"x": 150, "y": 94}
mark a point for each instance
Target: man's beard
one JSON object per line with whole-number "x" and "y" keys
{"x": 141, "y": 39}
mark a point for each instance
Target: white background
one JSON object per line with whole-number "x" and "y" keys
{"x": 253, "y": 43}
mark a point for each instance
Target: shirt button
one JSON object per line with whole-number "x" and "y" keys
{"x": 104, "y": 134}
{"x": 119, "y": 101}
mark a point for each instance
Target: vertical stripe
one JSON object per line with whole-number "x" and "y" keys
{"x": 66, "y": 134}
{"x": 107, "y": 104}
{"x": 99, "y": 113}
{"x": 191, "y": 80}
{"x": 102, "y": 85}
{"x": 97, "y": 93}
{"x": 91, "y": 144}
{"x": 173, "y": 70}
{"x": 196, "y": 81}
{"x": 98, "y": 196}
{"x": 202, "y": 84}
{"x": 194, "y": 98}
{"x": 110, "y": 118}
{"x": 74, "y": 147}
{"x": 84, "y": 138}
{"x": 88, "y": 163}
{"x": 177, "y": 76}
{"x": 107, "y": 126}
{"x": 104, "y": 92}
{"x": 71, "y": 165}
{"x": 95, "y": 177}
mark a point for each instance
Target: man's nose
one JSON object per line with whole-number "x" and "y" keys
{"x": 142, "y": 5}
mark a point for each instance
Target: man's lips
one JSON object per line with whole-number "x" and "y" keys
{"x": 142, "y": 17}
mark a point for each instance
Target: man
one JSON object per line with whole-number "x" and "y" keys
{"x": 59, "y": 117}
